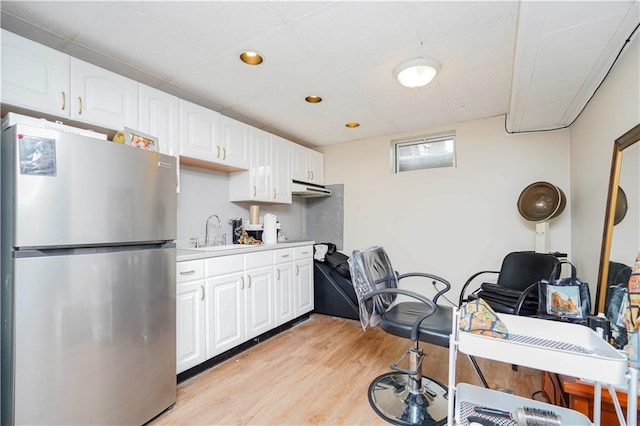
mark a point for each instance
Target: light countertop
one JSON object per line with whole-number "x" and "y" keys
{"x": 183, "y": 254}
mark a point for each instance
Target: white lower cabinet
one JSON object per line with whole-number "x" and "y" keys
{"x": 283, "y": 285}
{"x": 225, "y": 301}
{"x": 303, "y": 280}
{"x": 190, "y": 337}
{"x": 258, "y": 301}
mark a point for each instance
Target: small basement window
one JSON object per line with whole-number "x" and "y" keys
{"x": 425, "y": 152}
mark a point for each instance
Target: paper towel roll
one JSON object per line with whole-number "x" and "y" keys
{"x": 269, "y": 233}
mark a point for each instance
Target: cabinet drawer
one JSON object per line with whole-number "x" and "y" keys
{"x": 189, "y": 271}
{"x": 282, "y": 255}
{"x": 259, "y": 259}
{"x": 224, "y": 265}
{"x": 303, "y": 252}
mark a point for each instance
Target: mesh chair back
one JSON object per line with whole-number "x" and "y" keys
{"x": 371, "y": 270}
{"x": 522, "y": 268}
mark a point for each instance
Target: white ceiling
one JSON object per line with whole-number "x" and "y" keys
{"x": 538, "y": 62}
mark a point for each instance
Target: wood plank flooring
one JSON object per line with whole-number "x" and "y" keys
{"x": 317, "y": 373}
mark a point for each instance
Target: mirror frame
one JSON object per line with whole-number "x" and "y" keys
{"x": 623, "y": 142}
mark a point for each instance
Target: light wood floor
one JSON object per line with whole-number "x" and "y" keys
{"x": 317, "y": 373}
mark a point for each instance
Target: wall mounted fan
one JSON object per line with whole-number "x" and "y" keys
{"x": 540, "y": 202}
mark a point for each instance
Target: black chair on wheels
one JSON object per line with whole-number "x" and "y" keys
{"x": 514, "y": 291}
{"x": 403, "y": 396}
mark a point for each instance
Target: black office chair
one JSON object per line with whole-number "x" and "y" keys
{"x": 403, "y": 396}
{"x": 515, "y": 291}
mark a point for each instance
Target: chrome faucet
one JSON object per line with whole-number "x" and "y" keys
{"x": 206, "y": 231}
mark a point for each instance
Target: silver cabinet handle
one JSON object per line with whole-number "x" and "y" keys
{"x": 308, "y": 174}
{"x": 202, "y": 287}
{"x": 274, "y": 194}
{"x": 311, "y": 175}
{"x": 217, "y": 151}
{"x": 297, "y": 270}
{"x": 242, "y": 283}
{"x": 305, "y": 252}
{"x": 284, "y": 255}
{"x": 255, "y": 190}
{"x": 249, "y": 279}
{"x": 80, "y": 103}
{"x": 64, "y": 100}
{"x": 278, "y": 274}
{"x": 224, "y": 153}
{"x": 191, "y": 272}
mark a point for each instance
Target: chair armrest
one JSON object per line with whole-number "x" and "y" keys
{"x": 523, "y": 296}
{"x": 471, "y": 278}
{"x": 431, "y": 306}
{"x": 435, "y": 279}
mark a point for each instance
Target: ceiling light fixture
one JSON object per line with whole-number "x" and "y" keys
{"x": 416, "y": 72}
{"x": 352, "y": 125}
{"x": 313, "y": 99}
{"x": 251, "y": 57}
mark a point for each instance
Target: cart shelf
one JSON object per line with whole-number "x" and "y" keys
{"x": 553, "y": 346}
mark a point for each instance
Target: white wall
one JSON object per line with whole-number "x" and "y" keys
{"x": 451, "y": 221}
{"x": 206, "y": 192}
{"x": 613, "y": 110}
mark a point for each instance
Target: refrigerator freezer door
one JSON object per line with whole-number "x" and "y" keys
{"x": 72, "y": 190}
{"x": 95, "y": 337}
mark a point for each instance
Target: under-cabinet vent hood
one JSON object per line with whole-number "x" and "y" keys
{"x": 309, "y": 190}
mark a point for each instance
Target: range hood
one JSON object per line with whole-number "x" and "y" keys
{"x": 308, "y": 190}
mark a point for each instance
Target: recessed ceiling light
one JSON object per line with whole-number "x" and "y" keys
{"x": 313, "y": 99}
{"x": 417, "y": 72}
{"x": 352, "y": 125}
{"x": 250, "y": 57}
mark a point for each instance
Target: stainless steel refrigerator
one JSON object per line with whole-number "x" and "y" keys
{"x": 88, "y": 280}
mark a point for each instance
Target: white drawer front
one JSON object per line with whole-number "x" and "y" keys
{"x": 282, "y": 256}
{"x": 303, "y": 252}
{"x": 224, "y": 265}
{"x": 189, "y": 271}
{"x": 259, "y": 259}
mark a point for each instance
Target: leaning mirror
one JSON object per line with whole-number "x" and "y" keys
{"x": 621, "y": 233}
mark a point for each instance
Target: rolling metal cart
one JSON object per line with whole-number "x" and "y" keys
{"x": 558, "y": 347}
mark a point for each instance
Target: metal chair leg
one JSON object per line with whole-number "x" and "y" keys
{"x": 406, "y": 397}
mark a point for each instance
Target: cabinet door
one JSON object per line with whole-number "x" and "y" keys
{"x": 160, "y": 117}
{"x": 284, "y": 292}
{"x": 315, "y": 162}
{"x": 259, "y": 312}
{"x": 103, "y": 98}
{"x": 299, "y": 168}
{"x": 34, "y": 76}
{"x": 234, "y": 143}
{"x": 280, "y": 170}
{"x": 190, "y": 335}
{"x": 224, "y": 313}
{"x": 199, "y": 132}
{"x": 304, "y": 286}
{"x": 260, "y": 170}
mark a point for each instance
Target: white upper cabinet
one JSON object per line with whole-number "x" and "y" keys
{"x": 102, "y": 98}
{"x": 280, "y": 170}
{"x": 34, "y": 76}
{"x": 307, "y": 165}
{"x": 234, "y": 143}
{"x": 160, "y": 117}
{"x": 199, "y": 132}
{"x": 268, "y": 179}
{"x": 315, "y": 162}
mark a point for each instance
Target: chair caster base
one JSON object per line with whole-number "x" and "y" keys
{"x": 390, "y": 399}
